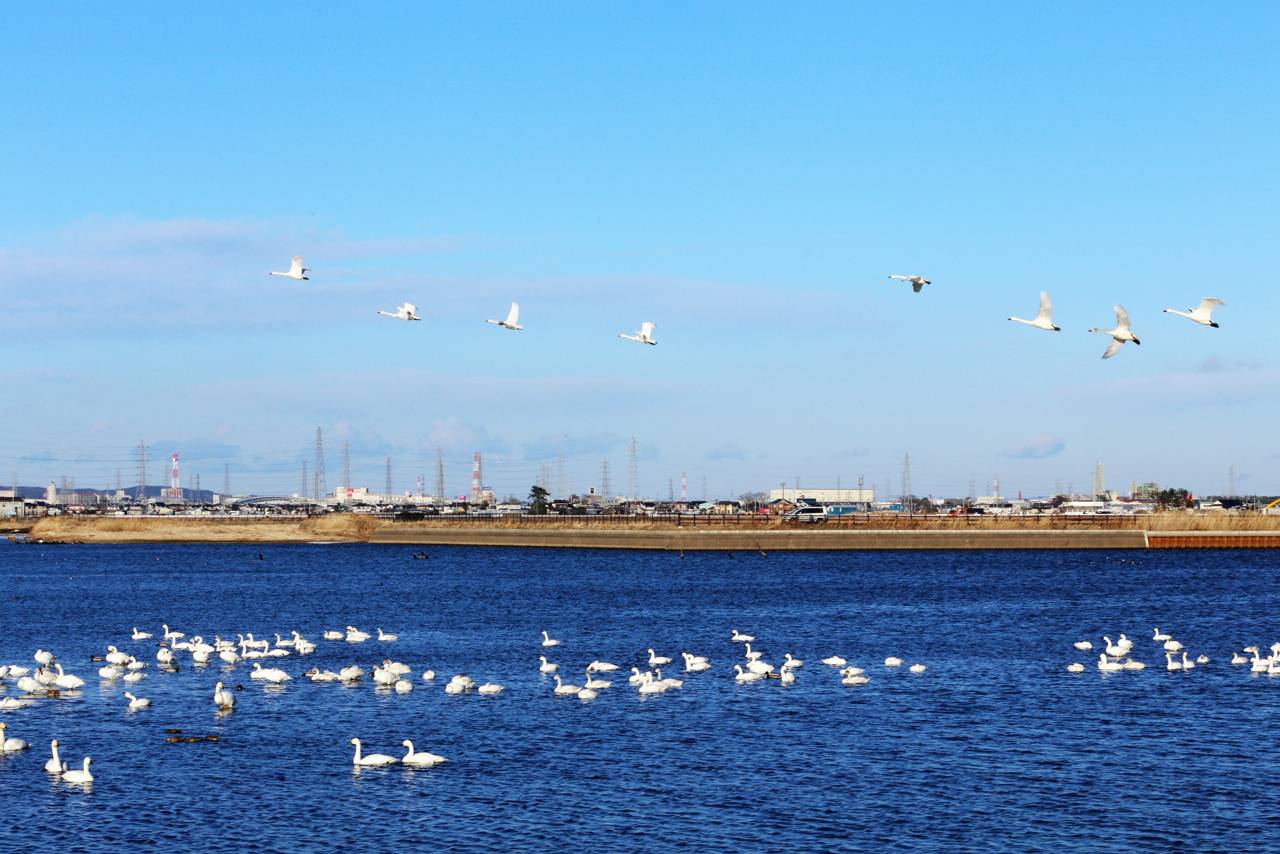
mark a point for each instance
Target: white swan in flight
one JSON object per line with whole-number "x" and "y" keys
{"x": 1201, "y": 313}
{"x": 1122, "y": 333}
{"x": 917, "y": 282}
{"x": 1044, "y": 317}
{"x": 644, "y": 336}
{"x": 513, "y": 319}
{"x": 296, "y": 272}
{"x": 408, "y": 311}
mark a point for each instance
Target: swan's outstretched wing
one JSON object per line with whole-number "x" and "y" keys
{"x": 1113, "y": 348}
{"x": 916, "y": 284}
{"x": 1122, "y": 317}
{"x": 295, "y": 268}
{"x": 899, "y": 278}
{"x": 513, "y": 316}
{"x": 1046, "y": 308}
{"x": 646, "y": 329}
{"x": 409, "y": 308}
{"x": 1207, "y": 305}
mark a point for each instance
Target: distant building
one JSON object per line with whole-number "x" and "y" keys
{"x": 1144, "y": 490}
{"x": 824, "y": 496}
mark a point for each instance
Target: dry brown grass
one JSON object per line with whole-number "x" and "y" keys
{"x": 353, "y": 527}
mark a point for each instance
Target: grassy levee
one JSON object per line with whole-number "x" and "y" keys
{"x": 668, "y": 533}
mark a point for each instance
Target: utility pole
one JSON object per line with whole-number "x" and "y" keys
{"x": 604, "y": 480}
{"x": 1099, "y": 485}
{"x": 306, "y": 485}
{"x": 671, "y": 490}
{"x": 388, "y": 489}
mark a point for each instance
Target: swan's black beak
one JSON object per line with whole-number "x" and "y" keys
{"x": 1057, "y": 329}
{"x": 1136, "y": 341}
{"x": 1213, "y": 324}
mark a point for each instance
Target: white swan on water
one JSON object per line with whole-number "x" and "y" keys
{"x": 547, "y": 640}
{"x": 139, "y": 636}
{"x": 373, "y": 760}
{"x": 1108, "y": 666}
{"x": 66, "y": 681}
{"x": 136, "y": 703}
{"x": 891, "y": 661}
{"x": 746, "y": 675}
{"x": 80, "y": 775}
{"x": 1083, "y": 646}
{"x": 222, "y": 698}
{"x": 54, "y": 765}
{"x": 419, "y": 760}
{"x": 656, "y": 660}
{"x": 564, "y": 689}
{"x": 739, "y": 637}
{"x": 547, "y": 666}
{"x": 834, "y": 661}
{"x": 1075, "y": 667}
{"x": 10, "y": 745}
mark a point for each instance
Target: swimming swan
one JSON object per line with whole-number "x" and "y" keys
{"x": 373, "y": 760}
{"x": 223, "y": 699}
{"x": 54, "y": 765}
{"x": 419, "y": 760}
{"x": 10, "y": 745}
{"x": 80, "y": 775}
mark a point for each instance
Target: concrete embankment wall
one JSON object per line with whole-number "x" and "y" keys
{"x": 769, "y": 540}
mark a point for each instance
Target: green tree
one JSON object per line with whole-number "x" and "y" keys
{"x": 538, "y": 500}
{"x": 1173, "y": 499}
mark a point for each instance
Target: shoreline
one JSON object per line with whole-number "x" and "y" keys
{"x": 636, "y": 534}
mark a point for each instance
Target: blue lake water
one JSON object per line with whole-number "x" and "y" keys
{"x": 995, "y": 747}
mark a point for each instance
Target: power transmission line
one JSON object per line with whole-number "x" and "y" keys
{"x": 142, "y": 476}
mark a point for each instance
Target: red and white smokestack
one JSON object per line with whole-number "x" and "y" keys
{"x": 476, "y": 488}
{"x": 173, "y": 477}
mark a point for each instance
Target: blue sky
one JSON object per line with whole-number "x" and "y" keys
{"x": 743, "y": 176}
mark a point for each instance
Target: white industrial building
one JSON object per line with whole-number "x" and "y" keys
{"x": 824, "y": 496}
